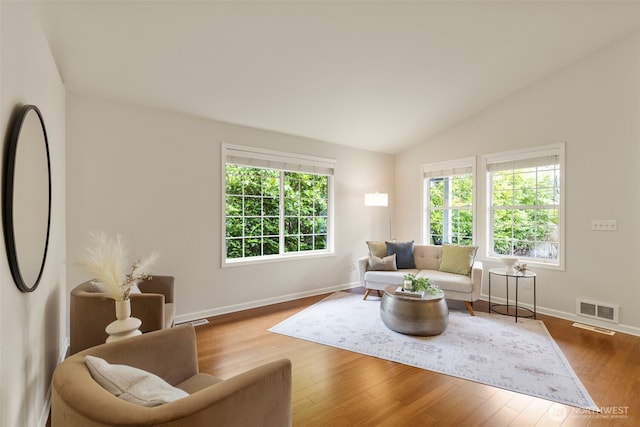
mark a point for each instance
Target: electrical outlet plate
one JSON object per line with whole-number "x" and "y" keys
{"x": 604, "y": 225}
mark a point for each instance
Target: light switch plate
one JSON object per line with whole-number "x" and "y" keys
{"x": 604, "y": 224}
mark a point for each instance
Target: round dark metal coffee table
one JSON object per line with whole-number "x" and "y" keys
{"x": 413, "y": 315}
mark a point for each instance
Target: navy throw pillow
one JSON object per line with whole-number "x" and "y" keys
{"x": 404, "y": 253}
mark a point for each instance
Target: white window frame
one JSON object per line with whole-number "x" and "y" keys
{"x": 519, "y": 156}
{"x": 444, "y": 169}
{"x": 276, "y": 160}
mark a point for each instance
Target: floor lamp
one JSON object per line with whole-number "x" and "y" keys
{"x": 379, "y": 199}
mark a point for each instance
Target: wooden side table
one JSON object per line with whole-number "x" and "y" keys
{"x": 517, "y": 275}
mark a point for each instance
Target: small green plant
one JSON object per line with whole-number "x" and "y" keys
{"x": 422, "y": 284}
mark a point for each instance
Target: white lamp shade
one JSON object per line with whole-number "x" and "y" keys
{"x": 376, "y": 199}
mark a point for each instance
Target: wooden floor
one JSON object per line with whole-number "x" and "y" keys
{"x": 333, "y": 387}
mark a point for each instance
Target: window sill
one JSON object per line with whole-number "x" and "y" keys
{"x": 530, "y": 263}
{"x": 275, "y": 258}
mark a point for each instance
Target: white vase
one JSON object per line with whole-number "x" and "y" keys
{"x": 124, "y": 326}
{"x": 509, "y": 264}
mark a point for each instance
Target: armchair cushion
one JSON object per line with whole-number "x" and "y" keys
{"x": 132, "y": 384}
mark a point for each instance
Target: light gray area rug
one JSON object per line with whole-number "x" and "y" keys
{"x": 489, "y": 349}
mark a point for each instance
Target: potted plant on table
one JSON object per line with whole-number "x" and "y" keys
{"x": 422, "y": 284}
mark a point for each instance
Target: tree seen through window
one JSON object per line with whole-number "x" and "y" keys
{"x": 271, "y": 212}
{"x": 450, "y": 209}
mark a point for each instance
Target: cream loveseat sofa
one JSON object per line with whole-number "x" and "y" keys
{"x": 427, "y": 262}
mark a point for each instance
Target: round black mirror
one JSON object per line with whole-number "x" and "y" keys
{"x": 27, "y": 198}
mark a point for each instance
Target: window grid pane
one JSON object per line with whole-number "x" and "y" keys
{"x": 253, "y": 212}
{"x": 306, "y": 197}
{"x": 449, "y": 213}
{"x": 525, "y": 212}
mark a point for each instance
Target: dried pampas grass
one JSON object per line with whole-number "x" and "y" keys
{"x": 106, "y": 263}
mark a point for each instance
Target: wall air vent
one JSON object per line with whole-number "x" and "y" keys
{"x": 597, "y": 310}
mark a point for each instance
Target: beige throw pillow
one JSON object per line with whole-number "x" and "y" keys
{"x": 132, "y": 384}
{"x": 387, "y": 263}
{"x": 458, "y": 259}
{"x": 377, "y": 248}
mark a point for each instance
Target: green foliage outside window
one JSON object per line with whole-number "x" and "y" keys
{"x": 451, "y": 210}
{"x": 525, "y": 207}
{"x": 305, "y": 197}
{"x": 253, "y": 211}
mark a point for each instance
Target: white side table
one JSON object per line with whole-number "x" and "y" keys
{"x": 517, "y": 275}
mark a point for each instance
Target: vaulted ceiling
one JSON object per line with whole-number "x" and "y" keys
{"x": 375, "y": 75}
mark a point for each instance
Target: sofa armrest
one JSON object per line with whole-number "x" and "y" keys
{"x": 476, "y": 280}
{"x": 258, "y": 397}
{"x": 149, "y": 308}
{"x": 363, "y": 265}
{"x": 159, "y": 285}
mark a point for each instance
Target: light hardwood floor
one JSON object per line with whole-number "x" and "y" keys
{"x": 333, "y": 387}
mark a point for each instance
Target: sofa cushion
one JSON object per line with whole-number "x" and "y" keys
{"x": 198, "y": 382}
{"x": 387, "y": 263}
{"x": 377, "y": 248}
{"x": 427, "y": 257}
{"x": 404, "y": 253}
{"x": 457, "y": 259}
{"x": 386, "y": 278}
{"x": 448, "y": 281}
{"x": 132, "y": 384}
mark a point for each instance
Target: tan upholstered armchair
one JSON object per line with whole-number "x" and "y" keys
{"x": 258, "y": 397}
{"x": 91, "y": 311}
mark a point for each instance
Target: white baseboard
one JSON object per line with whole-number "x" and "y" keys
{"x": 626, "y": 329}
{"x": 65, "y": 348}
{"x": 46, "y": 410}
{"x": 44, "y": 416}
{"x": 188, "y": 317}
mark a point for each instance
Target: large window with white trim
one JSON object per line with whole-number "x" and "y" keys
{"x": 276, "y": 204}
{"x": 525, "y": 204}
{"x": 448, "y": 202}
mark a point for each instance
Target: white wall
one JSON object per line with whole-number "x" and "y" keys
{"x": 594, "y": 106}
{"x": 154, "y": 177}
{"x": 31, "y": 324}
